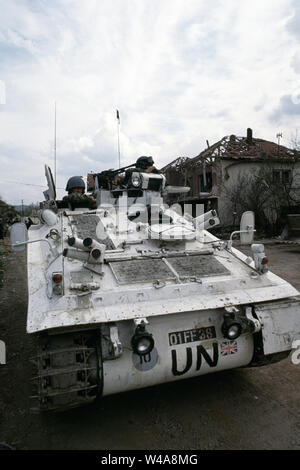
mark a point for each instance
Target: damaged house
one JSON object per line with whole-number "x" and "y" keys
{"x": 238, "y": 174}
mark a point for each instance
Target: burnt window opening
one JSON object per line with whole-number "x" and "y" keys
{"x": 189, "y": 183}
{"x": 282, "y": 176}
{"x": 276, "y": 176}
{"x": 205, "y": 186}
{"x": 286, "y": 176}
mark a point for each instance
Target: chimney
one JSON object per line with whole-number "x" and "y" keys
{"x": 249, "y": 136}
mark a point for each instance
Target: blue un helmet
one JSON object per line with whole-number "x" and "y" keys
{"x": 75, "y": 182}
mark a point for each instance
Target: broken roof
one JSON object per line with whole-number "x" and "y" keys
{"x": 235, "y": 148}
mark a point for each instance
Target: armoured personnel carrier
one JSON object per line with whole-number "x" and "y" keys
{"x": 133, "y": 294}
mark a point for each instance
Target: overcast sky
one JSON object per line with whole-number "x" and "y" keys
{"x": 180, "y": 72}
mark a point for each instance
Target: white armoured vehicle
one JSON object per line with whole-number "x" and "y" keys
{"x": 134, "y": 294}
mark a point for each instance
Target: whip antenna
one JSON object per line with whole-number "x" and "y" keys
{"x": 118, "y": 119}
{"x": 55, "y": 143}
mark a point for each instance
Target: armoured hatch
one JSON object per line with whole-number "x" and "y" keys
{"x": 143, "y": 270}
{"x": 149, "y": 270}
{"x": 198, "y": 266}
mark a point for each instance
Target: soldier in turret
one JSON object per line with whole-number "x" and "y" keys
{"x": 146, "y": 165}
{"x": 76, "y": 189}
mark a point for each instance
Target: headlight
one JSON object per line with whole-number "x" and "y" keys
{"x": 49, "y": 218}
{"x": 142, "y": 342}
{"x": 231, "y": 328}
{"x": 136, "y": 181}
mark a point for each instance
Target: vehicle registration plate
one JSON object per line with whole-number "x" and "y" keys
{"x": 190, "y": 336}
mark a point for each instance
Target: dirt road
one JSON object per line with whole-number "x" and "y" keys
{"x": 239, "y": 409}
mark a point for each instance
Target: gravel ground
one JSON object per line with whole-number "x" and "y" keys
{"x": 238, "y": 409}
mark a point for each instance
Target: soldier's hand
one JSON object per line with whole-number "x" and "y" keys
{"x": 93, "y": 203}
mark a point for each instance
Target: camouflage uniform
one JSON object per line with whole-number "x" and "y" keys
{"x": 76, "y": 198}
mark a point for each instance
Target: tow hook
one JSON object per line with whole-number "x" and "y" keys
{"x": 255, "y": 324}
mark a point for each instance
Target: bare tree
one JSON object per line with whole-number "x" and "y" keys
{"x": 268, "y": 192}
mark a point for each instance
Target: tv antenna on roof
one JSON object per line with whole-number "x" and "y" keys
{"x": 279, "y": 136}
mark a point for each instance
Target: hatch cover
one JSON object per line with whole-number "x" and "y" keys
{"x": 198, "y": 266}
{"x": 144, "y": 270}
{"x": 149, "y": 270}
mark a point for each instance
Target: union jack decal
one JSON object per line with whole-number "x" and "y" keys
{"x": 228, "y": 348}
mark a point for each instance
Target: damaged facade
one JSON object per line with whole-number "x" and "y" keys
{"x": 237, "y": 174}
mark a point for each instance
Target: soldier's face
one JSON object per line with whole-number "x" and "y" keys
{"x": 77, "y": 190}
{"x": 149, "y": 169}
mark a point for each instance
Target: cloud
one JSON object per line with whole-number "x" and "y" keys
{"x": 180, "y": 73}
{"x": 289, "y": 105}
{"x": 293, "y": 22}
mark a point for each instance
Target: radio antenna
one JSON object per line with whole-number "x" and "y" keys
{"x": 118, "y": 119}
{"x": 55, "y": 143}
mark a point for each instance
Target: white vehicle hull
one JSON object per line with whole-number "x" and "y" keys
{"x": 101, "y": 282}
